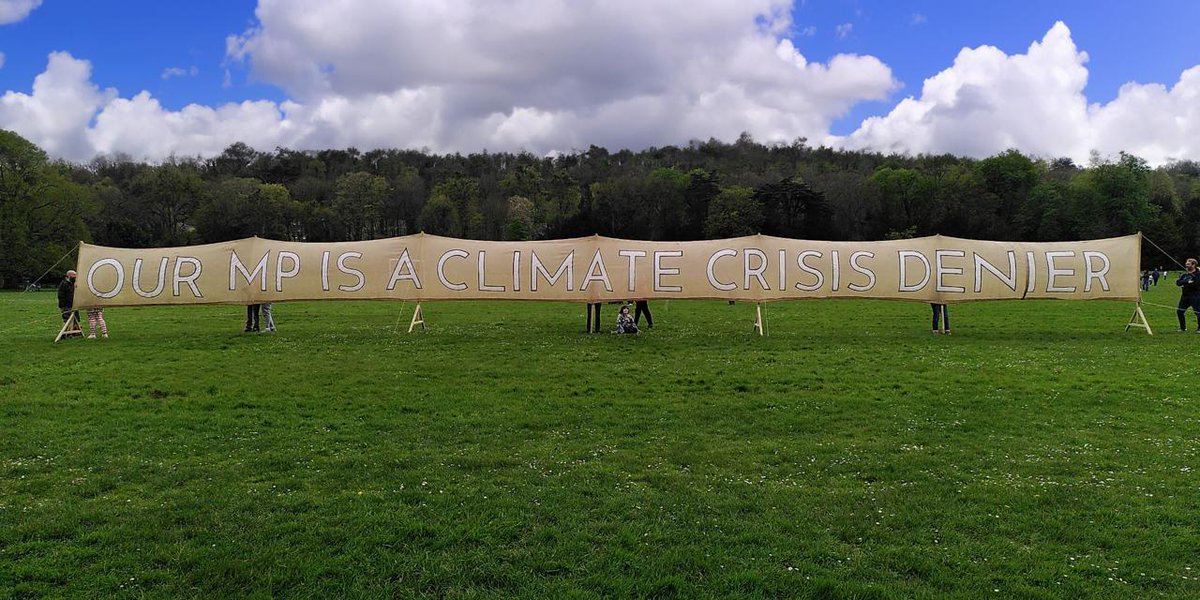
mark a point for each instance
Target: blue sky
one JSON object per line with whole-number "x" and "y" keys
{"x": 465, "y": 76}
{"x": 130, "y": 43}
{"x": 1125, "y": 41}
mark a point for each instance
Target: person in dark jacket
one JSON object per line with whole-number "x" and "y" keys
{"x": 66, "y": 296}
{"x": 1189, "y": 288}
{"x": 66, "y": 299}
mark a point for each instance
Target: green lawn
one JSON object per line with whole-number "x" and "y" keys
{"x": 1040, "y": 451}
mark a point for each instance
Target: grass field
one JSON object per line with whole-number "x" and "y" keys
{"x": 1040, "y": 451}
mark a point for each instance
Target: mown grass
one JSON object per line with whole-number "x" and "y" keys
{"x": 1040, "y": 451}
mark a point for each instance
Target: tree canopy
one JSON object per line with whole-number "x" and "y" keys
{"x": 701, "y": 190}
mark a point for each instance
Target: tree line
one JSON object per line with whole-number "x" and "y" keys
{"x": 707, "y": 189}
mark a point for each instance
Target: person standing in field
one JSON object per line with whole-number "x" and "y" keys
{"x": 252, "y": 311}
{"x": 66, "y": 296}
{"x": 643, "y": 308}
{"x": 268, "y": 320}
{"x": 1189, "y": 288}
{"x": 96, "y": 318}
{"x": 593, "y": 324}
{"x": 940, "y": 313}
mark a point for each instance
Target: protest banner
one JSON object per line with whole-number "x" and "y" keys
{"x": 597, "y": 269}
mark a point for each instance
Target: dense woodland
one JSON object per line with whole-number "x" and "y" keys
{"x": 706, "y": 189}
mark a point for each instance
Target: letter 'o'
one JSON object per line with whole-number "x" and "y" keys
{"x": 112, "y": 262}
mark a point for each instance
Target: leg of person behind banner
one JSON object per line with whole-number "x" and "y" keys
{"x": 418, "y": 319}
{"x": 70, "y": 327}
{"x": 1139, "y": 319}
{"x": 758, "y": 321}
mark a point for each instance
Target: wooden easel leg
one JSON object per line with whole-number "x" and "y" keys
{"x": 70, "y": 326}
{"x": 758, "y": 321}
{"x": 1139, "y": 320}
{"x": 418, "y": 319}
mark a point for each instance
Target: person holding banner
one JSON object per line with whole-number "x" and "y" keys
{"x": 942, "y": 312}
{"x": 252, "y": 311}
{"x": 268, "y": 320}
{"x": 1189, "y": 288}
{"x": 643, "y": 308}
{"x": 593, "y": 324}
{"x": 96, "y": 322}
{"x": 66, "y": 298}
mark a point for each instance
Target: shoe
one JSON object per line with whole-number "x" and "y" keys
{"x": 105, "y": 336}
{"x": 93, "y": 336}
{"x": 935, "y": 332}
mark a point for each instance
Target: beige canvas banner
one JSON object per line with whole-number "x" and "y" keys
{"x": 595, "y": 269}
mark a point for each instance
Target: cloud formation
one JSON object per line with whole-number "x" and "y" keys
{"x": 170, "y": 72}
{"x": 15, "y": 11}
{"x": 988, "y": 102}
{"x": 539, "y": 75}
{"x": 546, "y": 76}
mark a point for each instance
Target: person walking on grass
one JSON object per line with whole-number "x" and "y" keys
{"x": 1189, "y": 294}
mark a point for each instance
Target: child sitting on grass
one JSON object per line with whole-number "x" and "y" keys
{"x": 625, "y": 322}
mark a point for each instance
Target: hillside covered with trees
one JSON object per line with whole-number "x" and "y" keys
{"x": 703, "y": 190}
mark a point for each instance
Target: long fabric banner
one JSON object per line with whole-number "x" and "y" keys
{"x": 596, "y": 269}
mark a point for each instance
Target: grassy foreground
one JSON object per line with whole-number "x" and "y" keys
{"x": 1040, "y": 451}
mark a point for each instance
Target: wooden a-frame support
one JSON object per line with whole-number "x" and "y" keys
{"x": 70, "y": 327}
{"x": 1138, "y": 319}
{"x": 759, "y": 325}
{"x": 418, "y": 319}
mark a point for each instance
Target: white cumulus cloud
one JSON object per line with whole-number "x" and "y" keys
{"x": 462, "y": 75}
{"x": 988, "y": 101}
{"x": 14, "y": 11}
{"x": 1151, "y": 120}
{"x": 550, "y": 75}
{"x": 56, "y": 114}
